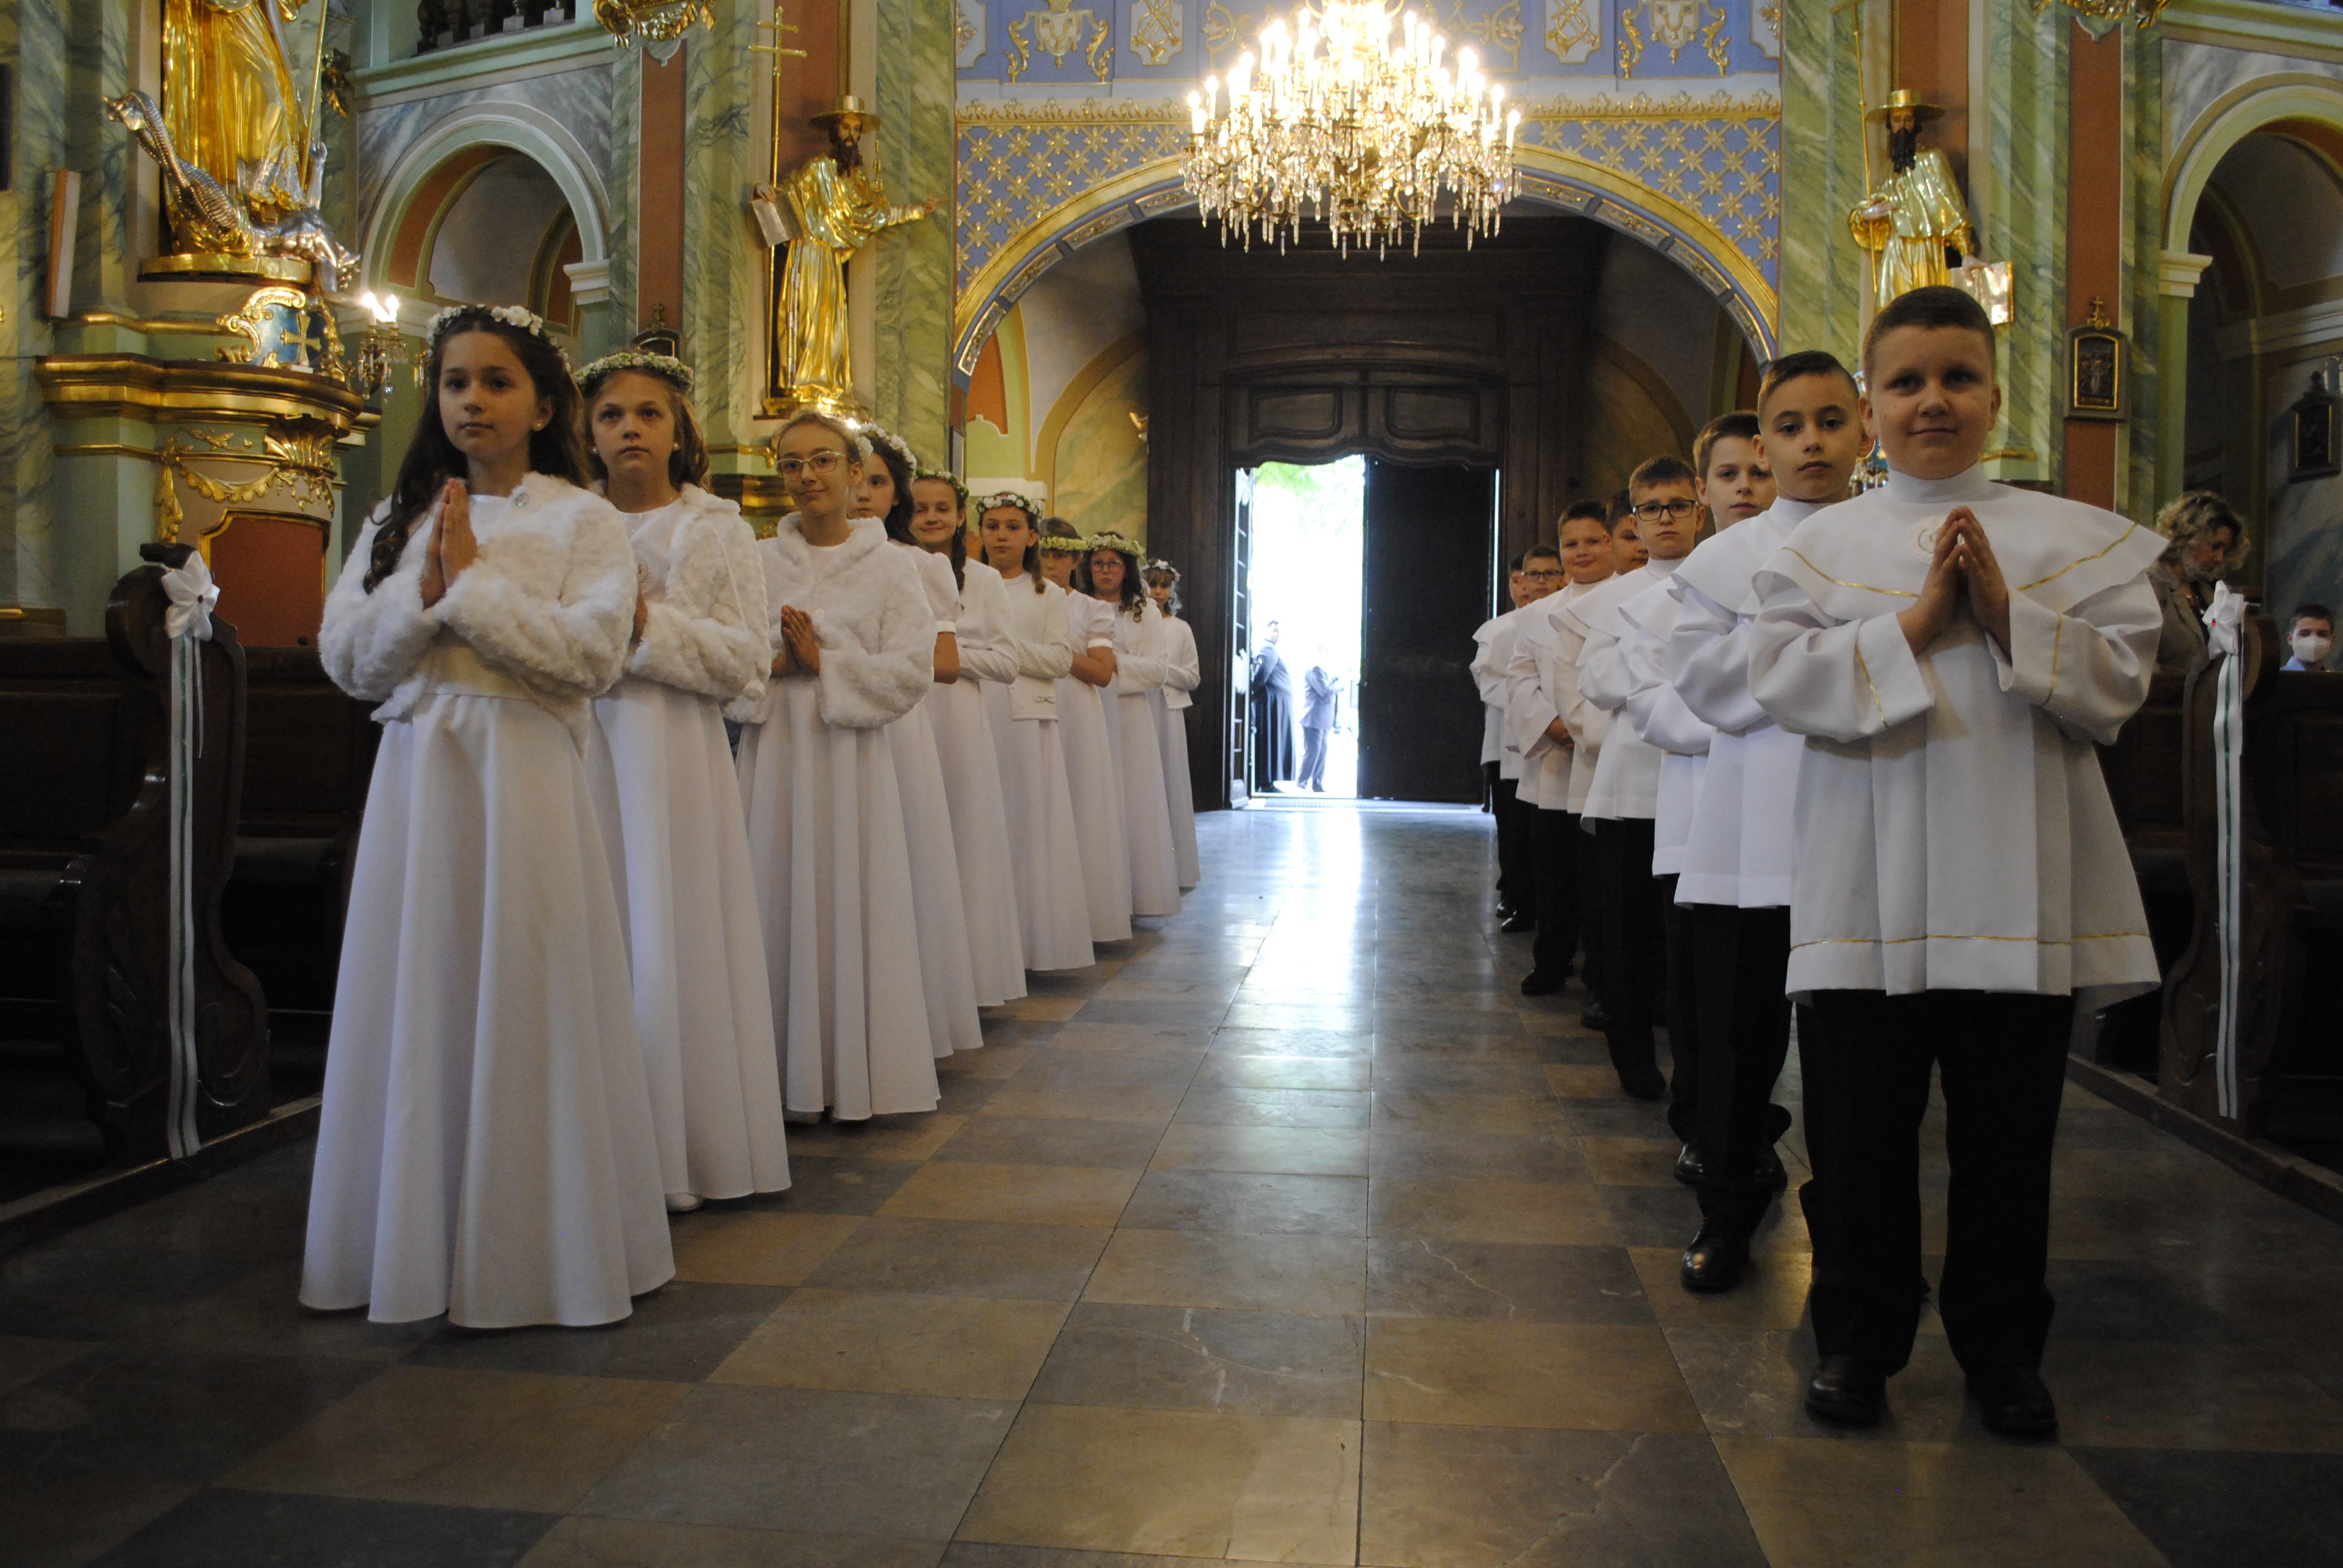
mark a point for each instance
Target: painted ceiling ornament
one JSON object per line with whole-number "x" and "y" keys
{"x": 1915, "y": 220}
{"x": 968, "y": 33}
{"x": 1571, "y": 31}
{"x": 1157, "y": 29}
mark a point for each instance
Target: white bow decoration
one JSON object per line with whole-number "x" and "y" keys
{"x": 193, "y": 595}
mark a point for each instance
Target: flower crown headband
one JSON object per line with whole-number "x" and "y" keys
{"x": 1165, "y": 567}
{"x": 1023, "y": 503}
{"x": 876, "y": 437}
{"x": 943, "y": 476}
{"x": 1115, "y": 542}
{"x": 1065, "y": 544}
{"x": 528, "y": 321}
{"x": 665, "y": 367}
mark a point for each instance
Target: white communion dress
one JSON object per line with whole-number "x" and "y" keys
{"x": 1142, "y": 657}
{"x": 1093, "y": 774}
{"x": 1183, "y": 673}
{"x": 485, "y": 1147}
{"x": 938, "y": 902}
{"x": 670, "y": 804}
{"x": 972, "y": 780}
{"x": 1053, "y": 902}
{"x": 825, "y": 841}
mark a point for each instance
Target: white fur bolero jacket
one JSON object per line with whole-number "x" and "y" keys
{"x": 870, "y": 615}
{"x": 550, "y": 602}
{"x": 705, "y": 633}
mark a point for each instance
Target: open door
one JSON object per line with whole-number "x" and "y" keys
{"x": 1427, "y": 589}
{"x": 1237, "y": 753}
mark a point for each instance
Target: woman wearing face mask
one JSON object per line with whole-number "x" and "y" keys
{"x": 2208, "y": 540}
{"x": 937, "y": 900}
{"x": 668, "y": 797}
{"x": 964, "y": 739}
{"x": 1143, "y": 657}
{"x": 1181, "y": 676}
{"x": 1052, "y": 901}
{"x": 853, "y": 641}
{"x": 1093, "y": 758}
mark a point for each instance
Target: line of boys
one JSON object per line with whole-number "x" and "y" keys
{"x": 1841, "y": 756}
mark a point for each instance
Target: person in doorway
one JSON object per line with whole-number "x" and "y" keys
{"x": 2310, "y": 637}
{"x": 669, "y": 798}
{"x": 1624, "y": 799}
{"x": 1534, "y": 575}
{"x": 1320, "y": 716}
{"x": 1545, "y": 749}
{"x": 1735, "y": 882}
{"x": 2204, "y": 540}
{"x": 1270, "y": 685}
{"x": 1954, "y": 649}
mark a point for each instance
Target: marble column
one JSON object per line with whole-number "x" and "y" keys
{"x": 1822, "y": 177}
{"x": 911, "y": 377}
{"x": 2177, "y": 272}
{"x": 2026, "y": 76}
{"x": 724, "y": 152}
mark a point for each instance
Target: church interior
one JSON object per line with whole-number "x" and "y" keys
{"x": 1294, "y": 1226}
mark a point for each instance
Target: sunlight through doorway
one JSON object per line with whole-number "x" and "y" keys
{"x": 1308, "y": 561}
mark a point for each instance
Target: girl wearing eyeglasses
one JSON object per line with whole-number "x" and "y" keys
{"x": 939, "y": 901}
{"x": 853, "y": 643}
{"x": 1053, "y": 902}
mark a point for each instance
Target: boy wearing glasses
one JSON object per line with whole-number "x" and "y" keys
{"x": 1952, "y": 650}
{"x": 1621, "y": 803}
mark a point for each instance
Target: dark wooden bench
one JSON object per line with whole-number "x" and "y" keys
{"x": 2142, "y": 770}
{"x": 308, "y": 757}
{"x": 2290, "y": 1047}
{"x": 85, "y": 888}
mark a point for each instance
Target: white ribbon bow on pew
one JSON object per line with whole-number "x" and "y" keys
{"x": 2225, "y": 624}
{"x": 188, "y": 622}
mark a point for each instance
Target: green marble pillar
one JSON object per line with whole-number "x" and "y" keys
{"x": 2025, "y": 71}
{"x": 911, "y": 382}
{"x": 724, "y": 152}
{"x": 623, "y": 178}
{"x": 2139, "y": 488}
{"x": 1822, "y": 178}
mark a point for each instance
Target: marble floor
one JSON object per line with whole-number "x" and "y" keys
{"x": 1288, "y": 1232}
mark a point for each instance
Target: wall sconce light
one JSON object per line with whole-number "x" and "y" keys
{"x": 381, "y": 350}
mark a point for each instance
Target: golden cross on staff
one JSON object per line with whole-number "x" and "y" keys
{"x": 777, "y": 26}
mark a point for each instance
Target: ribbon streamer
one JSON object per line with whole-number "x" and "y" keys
{"x": 2225, "y": 623}
{"x": 188, "y": 622}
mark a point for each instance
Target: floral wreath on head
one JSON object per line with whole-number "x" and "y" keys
{"x": 1162, "y": 569}
{"x": 1110, "y": 540}
{"x": 528, "y": 320}
{"x": 874, "y": 437}
{"x": 666, "y": 367}
{"x": 1065, "y": 545}
{"x": 945, "y": 477}
{"x": 1017, "y": 498}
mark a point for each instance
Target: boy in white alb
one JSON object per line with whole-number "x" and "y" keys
{"x": 1625, "y": 797}
{"x": 1735, "y": 881}
{"x": 1953, "y": 650}
{"x": 1534, "y": 575}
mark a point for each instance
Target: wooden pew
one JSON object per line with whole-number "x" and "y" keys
{"x": 2290, "y": 1049}
{"x": 2142, "y": 770}
{"x": 308, "y": 757}
{"x": 85, "y": 871}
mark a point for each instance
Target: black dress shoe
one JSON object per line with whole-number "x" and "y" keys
{"x": 1518, "y": 923}
{"x": 1541, "y": 982}
{"x": 1592, "y": 1016}
{"x": 1691, "y": 1169}
{"x": 1505, "y": 911}
{"x": 1768, "y": 1172}
{"x": 1716, "y": 1259}
{"x": 2016, "y": 1402}
{"x": 1845, "y": 1391}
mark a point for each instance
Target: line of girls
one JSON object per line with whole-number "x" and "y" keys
{"x": 594, "y": 961}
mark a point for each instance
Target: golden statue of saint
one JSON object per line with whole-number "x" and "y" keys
{"x": 1916, "y": 221}
{"x": 228, "y": 100}
{"x": 828, "y": 207}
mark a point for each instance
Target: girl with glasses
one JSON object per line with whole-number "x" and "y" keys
{"x": 854, "y": 640}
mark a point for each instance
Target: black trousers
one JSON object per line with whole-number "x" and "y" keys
{"x": 1743, "y": 960}
{"x": 1865, "y": 1058}
{"x": 1592, "y": 934}
{"x": 1556, "y": 853}
{"x": 1516, "y": 876}
{"x": 1634, "y": 940}
{"x": 1682, "y": 1011}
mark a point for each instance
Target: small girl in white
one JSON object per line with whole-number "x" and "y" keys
{"x": 1181, "y": 674}
{"x": 1142, "y": 654}
{"x": 486, "y": 1149}
{"x": 854, "y": 650}
{"x": 1093, "y": 753}
{"x": 666, "y": 795}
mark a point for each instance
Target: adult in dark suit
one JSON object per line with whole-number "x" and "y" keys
{"x": 1320, "y": 702}
{"x": 1272, "y": 684}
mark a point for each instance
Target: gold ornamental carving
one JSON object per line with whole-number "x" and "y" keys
{"x": 299, "y": 462}
{"x": 1571, "y": 32}
{"x": 1156, "y": 32}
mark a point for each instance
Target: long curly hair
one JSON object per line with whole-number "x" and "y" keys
{"x": 433, "y": 457}
{"x": 687, "y": 463}
{"x": 1165, "y": 572}
{"x": 1132, "y": 599}
{"x": 957, "y": 551}
{"x": 899, "y": 470}
{"x": 2190, "y": 519}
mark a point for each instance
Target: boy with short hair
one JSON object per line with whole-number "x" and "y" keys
{"x": 1536, "y": 573}
{"x": 1624, "y": 797}
{"x": 1953, "y": 648}
{"x": 1734, "y": 883}
{"x": 1541, "y": 743}
{"x": 2310, "y": 637}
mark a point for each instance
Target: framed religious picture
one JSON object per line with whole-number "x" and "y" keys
{"x": 2096, "y": 366}
{"x": 2311, "y": 423}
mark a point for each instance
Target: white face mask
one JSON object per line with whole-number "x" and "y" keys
{"x": 2311, "y": 646}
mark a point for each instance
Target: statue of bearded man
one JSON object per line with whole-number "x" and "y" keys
{"x": 1915, "y": 223}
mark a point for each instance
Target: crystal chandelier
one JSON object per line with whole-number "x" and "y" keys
{"x": 1338, "y": 124}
